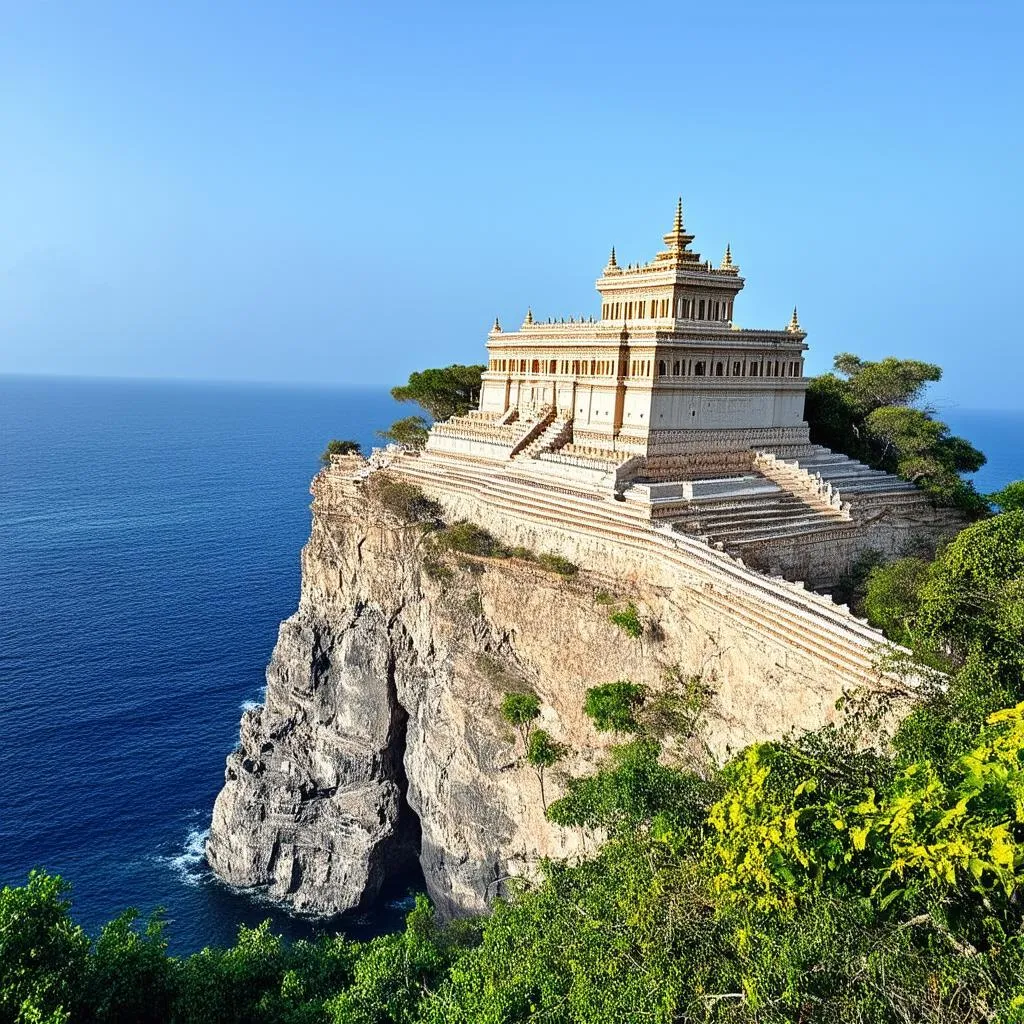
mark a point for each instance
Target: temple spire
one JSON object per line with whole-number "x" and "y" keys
{"x": 794, "y": 324}
{"x": 677, "y": 224}
{"x": 529, "y": 316}
{"x": 611, "y": 259}
{"x": 497, "y": 324}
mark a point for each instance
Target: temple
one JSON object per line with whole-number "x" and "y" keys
{"x": 663, "y": 411}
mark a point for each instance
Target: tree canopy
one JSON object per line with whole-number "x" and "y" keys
{"x": 443, "y": 391}
{"x": 867, "y": 410}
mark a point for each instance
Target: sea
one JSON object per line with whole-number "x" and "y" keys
{"x": 149, "y": 546}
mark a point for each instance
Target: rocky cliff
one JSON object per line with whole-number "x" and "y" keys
{"x": 381, "y": 740}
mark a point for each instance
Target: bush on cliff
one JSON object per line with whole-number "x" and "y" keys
{"x": 336, "y": 447}
{"x": 403, "y": 500}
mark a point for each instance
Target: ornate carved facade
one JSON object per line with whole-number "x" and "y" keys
{"x": 663, "y": 371}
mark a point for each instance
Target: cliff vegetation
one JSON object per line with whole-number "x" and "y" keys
{"x": 810, "y": 879}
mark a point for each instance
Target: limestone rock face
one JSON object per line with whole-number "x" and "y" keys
{"x": 381, "y": 739}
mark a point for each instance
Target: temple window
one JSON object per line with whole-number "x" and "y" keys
{"x": 698, "y": 368}
{"x": 661, "y": 368}
{"x": 536, "y": 366}
{"x": 700, "y": 313}
{"x": 753, "y": 369}
{"x": 719, "y": 372}
{"x": 675, "y": 368}
{"x": 735, "y": 369}
{"x": 576, "y": 367}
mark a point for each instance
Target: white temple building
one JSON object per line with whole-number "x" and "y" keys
{"x": 662, "y": 410}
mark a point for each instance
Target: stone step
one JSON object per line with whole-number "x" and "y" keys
{"x": 723, "y": 527}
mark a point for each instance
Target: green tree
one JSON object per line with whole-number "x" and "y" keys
{"x": 444, "y": 391}
{"x": 44, "y": 955}
{"x": 542, "y": 753}
{"x": 1010, "y": 498}
{"x": 336, "y": 447}
{"x": 613, "y": 706}
{"x": 130, "y": 977}
{"x": 521, "y": 710}
{"x": 411, "y": 431}
{"x": 892, "y": 597}
{"x": 867, "y": 411}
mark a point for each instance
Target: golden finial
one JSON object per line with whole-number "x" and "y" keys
{"x": 677, "y": 226}
{"x": 727, "y": 263}
{"x": 529, "y": 316}
{"x": 497, "y": 325}
{"x": 794, "y": 324}
{"x": 611, "y": 259}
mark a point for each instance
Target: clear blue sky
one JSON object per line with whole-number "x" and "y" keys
{"x": 345, "y": 192}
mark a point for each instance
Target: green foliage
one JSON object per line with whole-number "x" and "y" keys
{"x": 336, "y": 447}
{"x": 443, "y": 392}
{"x": 810, "y": 880}
{"x": 438, "y": 571}
{"x": 1010, "y": 498}
{"x": 613, "y": 707}
{"x": 44, "y": 956}
{"x": 556, "y": 563}
{"x": 628, "y": 620}
{"x": 403, "y": 500}
{"x": 521, "y": 709}
{"x": 411, "y": 431}
{"x": 678, "y": 708}
{"x": 973, "y": 600}
{"x": 635, "y": 790}
{"x": 866, "y": 410}
{"x": 892, "y": 597}
{"x": 542, "y": 752}
{"x": 469, "y": 539}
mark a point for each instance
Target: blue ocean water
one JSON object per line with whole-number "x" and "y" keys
{"x": 149, "y": 546}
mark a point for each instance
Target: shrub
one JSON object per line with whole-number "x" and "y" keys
{"x": 469, "y": 539}
{"x": 1010, "y": 497}
{"x": 336, "y": 447}
{"x": 613, "y": 706}
{"x": 437, "y": 571}
{"x": 555, "y": 563}
{"x": 403, "y": 500}
{"x": 628, "y": 620}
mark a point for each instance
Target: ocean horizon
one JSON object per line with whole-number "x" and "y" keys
{"x": 150, "y": 533}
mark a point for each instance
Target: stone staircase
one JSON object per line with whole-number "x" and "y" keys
{"x": 734, "y": 523}
{"x": 553, "y": 436}
{"x": 831, "y": 478}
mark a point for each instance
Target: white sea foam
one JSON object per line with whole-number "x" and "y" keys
{"x": 248, "y": 705}
{"x": 189, "y": 863}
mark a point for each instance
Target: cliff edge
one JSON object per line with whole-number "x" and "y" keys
{"x": 381, "y": 740}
